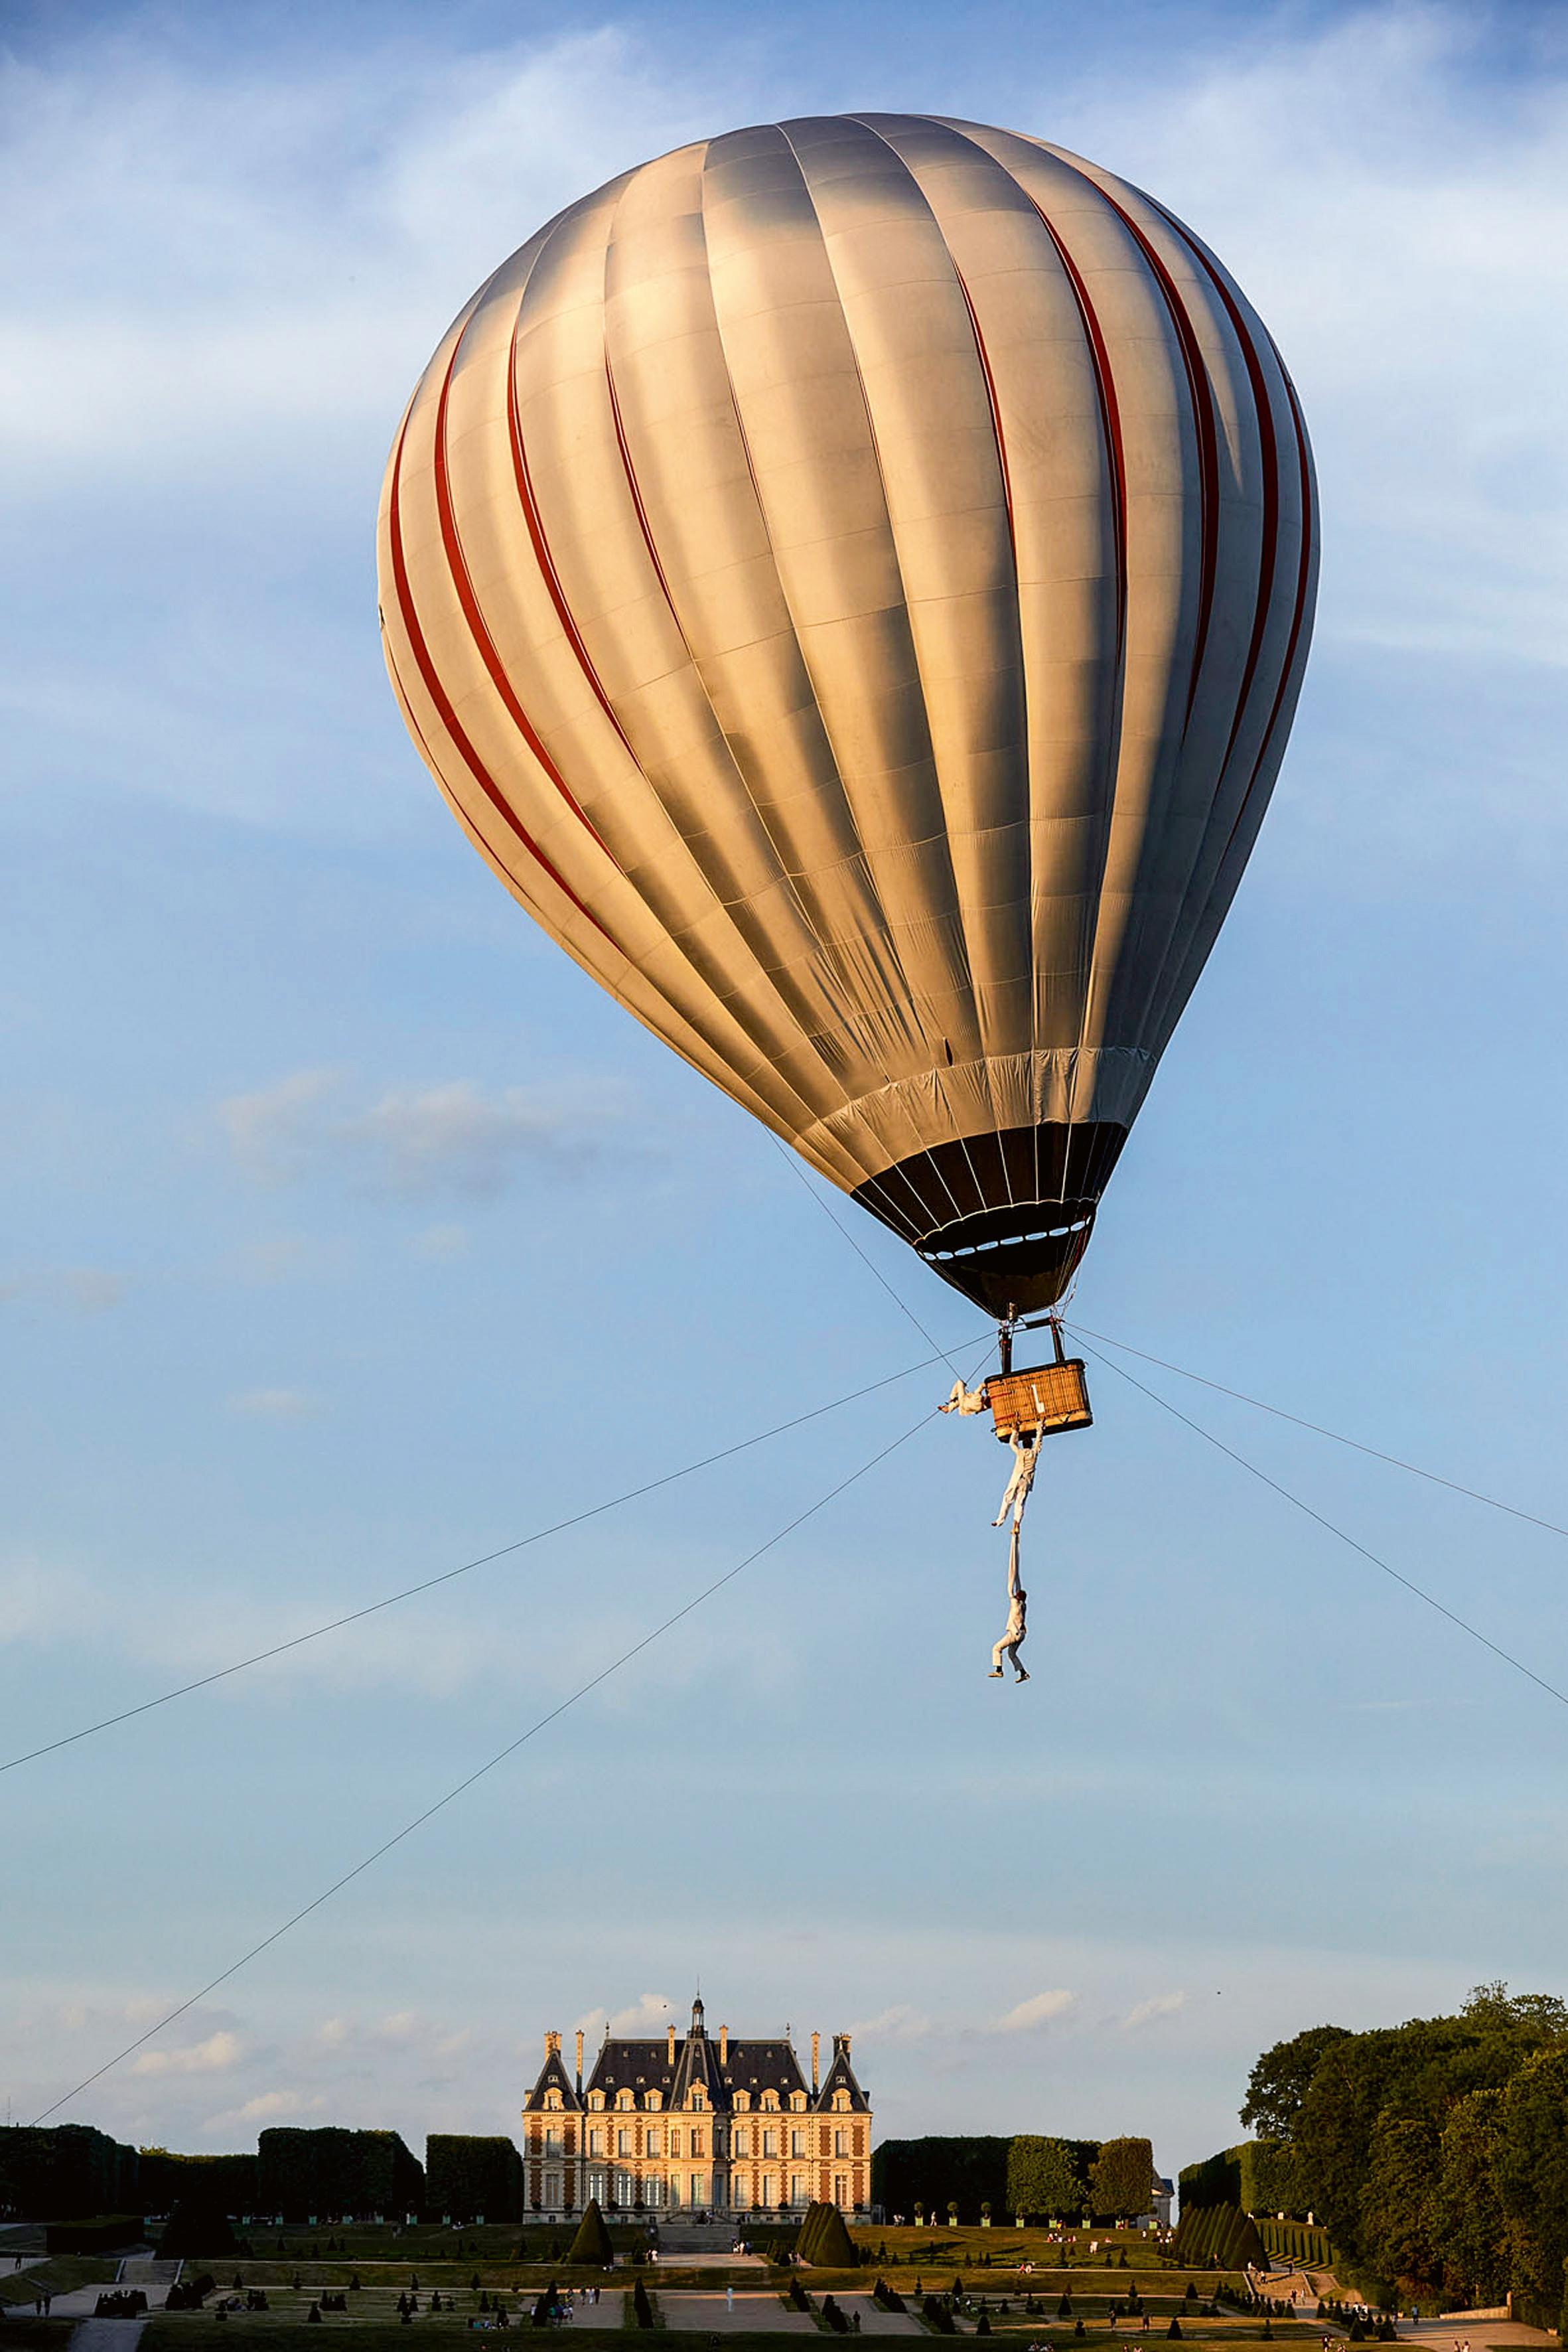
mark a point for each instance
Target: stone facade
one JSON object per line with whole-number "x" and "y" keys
{"x": 704, "y": 2125}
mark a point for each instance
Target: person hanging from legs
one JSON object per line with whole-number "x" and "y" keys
{"x": 1026, "y": 1456}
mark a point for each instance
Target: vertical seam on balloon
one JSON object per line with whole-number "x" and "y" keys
{"x": 439, "y": 697}
{"x": 796, "y": 1011}
{"x": 523, "y": 479}
{"x": 983, "y": 1059}
{"x": 876, "y": 453}
{"x": 889, "y": 940}
{"x": 1303, "y": 575}
{"x": 478, "y": 628}
{"x": 1116, "y": 459}
{"x": 1204, "y": 423}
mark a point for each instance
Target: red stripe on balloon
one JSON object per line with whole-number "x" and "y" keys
{"x": 1204, "y": 426}
{"x": 478, "y": 628}
{"x": 486, "y": 850}
{"x": 1303, "y": 575}
{"x": 439, "y": 697}
{"x": 1267, "y": 555}
{"x": 996, "y": 408}
{"x": 542, "y": 556}
{"x": 636, "y": 494}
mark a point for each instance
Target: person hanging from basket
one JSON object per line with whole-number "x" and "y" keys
{"x": 1013, "y": 1632}
{"x": 1025, "y": 1457}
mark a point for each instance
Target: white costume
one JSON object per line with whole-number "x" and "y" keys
{"x": 1025, "y": 1457}
{"x": 962, "y": 1400}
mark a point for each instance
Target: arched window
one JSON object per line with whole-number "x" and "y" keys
{"x": 743, "y": 2103}
{"x": 699, "y": 2098}
{"x": 798, "y": 2102}
{"x": 596, "y": 2100}
{"x": 552, "y": 2101}
{"x": 624, "y": 2099}
{"x": 770, "y": 2103}
{"x": 655, "y": 2100}
{"x": 840, "y": 2102}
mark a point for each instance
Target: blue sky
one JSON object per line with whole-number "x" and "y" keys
{"x": 345, "y": 1232}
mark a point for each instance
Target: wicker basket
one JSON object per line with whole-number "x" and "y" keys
{"x": 1047, "y": 1398}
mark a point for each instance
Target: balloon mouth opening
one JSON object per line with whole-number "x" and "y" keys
{"x": 1004, "y": 1217}
{"x": 942, "y": 1249}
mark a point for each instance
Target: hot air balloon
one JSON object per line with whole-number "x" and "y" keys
{"x": 852, "y": 578}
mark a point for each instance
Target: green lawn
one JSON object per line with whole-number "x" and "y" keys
{"x": 57, "y": 2276}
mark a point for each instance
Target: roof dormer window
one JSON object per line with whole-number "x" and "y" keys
{"x": 552, "y": 2099}
{"x": 798, "y": 2102}
{"x": 656, "y": 2100}
{"x": 624, "y": 2099}
{"x": 596, "y": 2100}
{"x": 840, "y": 2102}
{"x": 770, "y": 2102}
{"x": 743, "y": 2103}
{"x": 697, "y": 2098}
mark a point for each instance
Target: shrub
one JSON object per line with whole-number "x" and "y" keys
{"x": 592, "y": 2247}
{"x": 936, "y": 2315}
{"x": 642, "y": 2309}
{"x": 1174, "y": 2330}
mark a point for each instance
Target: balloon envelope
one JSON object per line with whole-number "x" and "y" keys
{"x": 852, "y": 578}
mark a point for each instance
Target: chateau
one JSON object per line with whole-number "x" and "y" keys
{"x": 697, "y": 2126}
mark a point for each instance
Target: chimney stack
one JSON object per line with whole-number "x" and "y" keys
{"x": 671, "y": 2045}
{"x": 816, "y": 2062}
{"x": 579, "y": 2057}
{"x": 723, "y": 2045}
{"x": 552, "y": 2045}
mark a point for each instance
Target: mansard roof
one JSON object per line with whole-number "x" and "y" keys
{"x": 629, "y": 2062}
{"x": 553, "y": 2077}
{"x": 840, "y": 2076}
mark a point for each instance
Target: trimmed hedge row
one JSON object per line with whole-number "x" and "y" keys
{"x": 1220, "y": 2234}
{"x": 1297, "y": 2242}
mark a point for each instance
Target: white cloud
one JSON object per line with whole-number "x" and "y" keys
{"x": 42, "y": 1601}
{"x": 274, "y": 1404}
{"x": 1041, "y": 2009}
{"x": 1162, "y": 2004}
{"x": 442, "y": 1242}
{"x": 1407, "y": 241}
{"x": 268, "y": 2107}
{"x": 413, "y": 1141}
{"x": 650, "y": 2014}
{"x": 900, "y": 2022}
{"x": 216, "y": 2055}
{"x": 87, "y": 1289}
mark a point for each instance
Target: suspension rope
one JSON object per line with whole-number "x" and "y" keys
{"x": 540, "y": 1724}
{"x": 448, "y": 1576}
{"x": 792, "y": 1161}
{"x": 1434, "y": 1477}
{"x": 1410, "y": 1586}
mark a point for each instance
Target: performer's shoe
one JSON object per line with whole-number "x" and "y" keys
{"x": 1021, "y": 1677}
{"x": 995, "y": 1676}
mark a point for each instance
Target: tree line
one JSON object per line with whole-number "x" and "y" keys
{"x": 1434, "y": 2153}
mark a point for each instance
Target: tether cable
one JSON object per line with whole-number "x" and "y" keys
{"x": 485, "y": 1560}
{"x": 1410, "y": 1586}
{"x": 1375, "y": 1452}
{"x": 869, "y": 1262}
{"x": 553, "y": 1716}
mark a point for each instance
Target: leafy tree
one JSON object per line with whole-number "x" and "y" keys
{"x": 1471, "y": 2227}
{"x": 1399, "y": 2203}
{"x": 592, "y": 2245}
{"x": 1123, "y": 2178}
{"x": 1529, "y": 2167}
{"x": 1042, "y": 2175}
{"x": 1278, "y": 2082}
